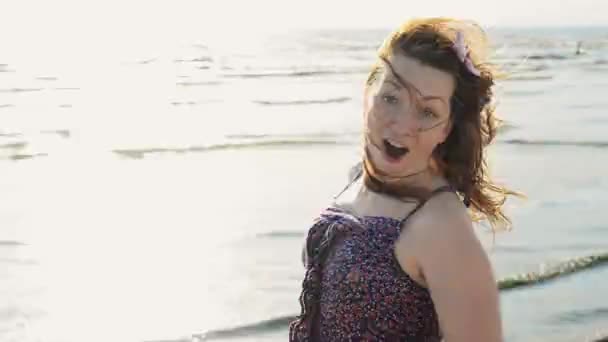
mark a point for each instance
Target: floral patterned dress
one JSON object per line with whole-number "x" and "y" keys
{"x": 355, "y": 290}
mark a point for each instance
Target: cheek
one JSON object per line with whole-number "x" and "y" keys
{"x": 427, "y": 144}
{"x": 372, "y": 119}
{"x": 374, "y": 115}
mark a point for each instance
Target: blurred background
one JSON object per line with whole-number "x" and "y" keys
{"x": 160, "y": 163}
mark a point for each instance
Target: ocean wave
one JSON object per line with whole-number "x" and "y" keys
{"x": 304, "y": 102}
{"x": 9, "y": 135}
{"x": 17, "y": 157}
{"x": 514, "y": 249}
{"x": 46, "y": 78}
{"x": 201, "y": 83}
{"x": 549, "y": 56}
{"x": 595, "y": 144}
{"x": 146, "y": 61}
{"x": 185, "y": 103}
{"x": 67, "y": 88}
{"x": 280, "y": 234}
{"x": 20, "y": 90}
{"x": 14, "y": 146}
{"x": 11, "y": 243}
{"x": 582, "y": 247}
{"x": 194, "y": 103}
{"x": 522, "y": 65}
{"x": 313, "y": 136}
{"x": 597, "y": 68}
{"x": 507, "y": 127}
{"x": 530, "y": 279}
{"x": 529, "y": 78}
{"x": 244, "y": 330}
{"x": 524, "y": 92}
{"x": 140, "y": 153}
{"x": 565, "y": 268}
{"x": 203, "y": 59}
{"x": 579, "y": 316}
{"x": 357, "y": 48}
{"x": 247, "y": 136}
{"x": 64, "y": 133}
{"x": 3, "y": 68}
{"x": 295, "y": 73}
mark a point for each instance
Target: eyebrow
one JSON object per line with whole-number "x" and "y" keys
{"x": 401, "y": 83}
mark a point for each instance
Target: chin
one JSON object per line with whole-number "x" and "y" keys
{"x": 389, "y": 168}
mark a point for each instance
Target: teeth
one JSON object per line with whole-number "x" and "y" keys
{"x": 394, "y": 151}
{"x": 395, "y": 144}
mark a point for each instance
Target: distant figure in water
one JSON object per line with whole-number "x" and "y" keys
{"x": 395, "y": 257}
{"x": 579, "y": 48}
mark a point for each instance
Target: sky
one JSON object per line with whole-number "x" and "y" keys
{"x": 39, "y": 27}
{"x": 382, "y": 13}
{"x": 208, "y": 15}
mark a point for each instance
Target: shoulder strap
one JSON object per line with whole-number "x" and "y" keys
{"x": 445, "y": 188}
{"x": 354, "y": 174}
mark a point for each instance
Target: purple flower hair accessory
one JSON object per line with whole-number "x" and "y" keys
{"x": 462, "y": 50}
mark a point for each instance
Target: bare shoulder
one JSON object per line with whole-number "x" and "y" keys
{"x": 445, "y": 237}
{"x": 456, "y": 270}
{"x": 442, "y": 220}
{"x": 443, "y": 217}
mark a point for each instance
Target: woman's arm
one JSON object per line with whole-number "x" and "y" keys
{"x": 459, "y": 276}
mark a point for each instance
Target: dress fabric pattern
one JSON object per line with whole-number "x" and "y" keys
{"x": 354, "y": 288}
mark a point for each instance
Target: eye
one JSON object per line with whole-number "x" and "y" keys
{"x": 390, "y": 99}
{"x": 429, "y": 113}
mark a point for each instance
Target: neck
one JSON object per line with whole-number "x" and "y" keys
{"x": 417, "y": 184}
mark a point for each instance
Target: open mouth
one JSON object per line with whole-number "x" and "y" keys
{"x": 394, "y": 152}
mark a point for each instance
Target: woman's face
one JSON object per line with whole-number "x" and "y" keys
{"x": 406, "y": 115}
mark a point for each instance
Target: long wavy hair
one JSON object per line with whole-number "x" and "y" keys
{"x": 461, "y": 157}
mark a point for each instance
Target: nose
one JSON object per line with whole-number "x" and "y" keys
{"x": 405, "y": 124}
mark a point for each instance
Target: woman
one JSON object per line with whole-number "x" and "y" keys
{"x": 395, "y": 257}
